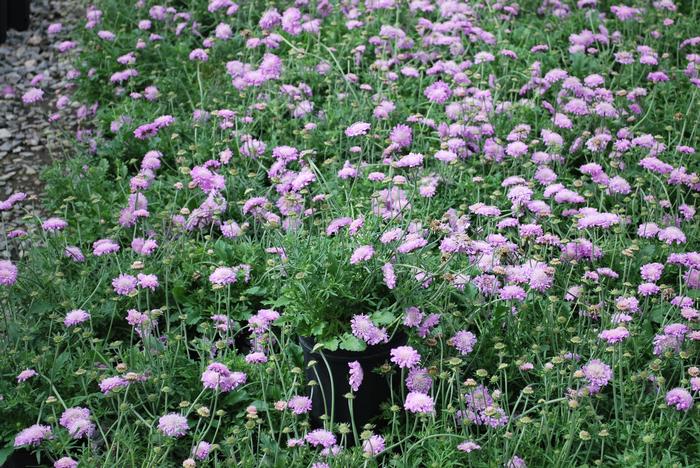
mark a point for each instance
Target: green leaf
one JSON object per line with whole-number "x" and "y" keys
{"x": 383, "y": 317}
{"x": 352, "y": 343}
{"x": 5, "y": 454}
{"x": 331, "y": 345}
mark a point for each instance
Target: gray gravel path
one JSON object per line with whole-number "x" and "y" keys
{"x": 28, "y": 141}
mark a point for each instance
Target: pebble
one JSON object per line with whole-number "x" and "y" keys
{"x": 25, "y": 133}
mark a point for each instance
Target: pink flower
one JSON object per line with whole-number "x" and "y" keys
{"x": 26, "y": 374}
{"x": 65, "y": 462}
{"x": 112, "y": 383}
{"x": 8, "y": 273}
{"x": 464, "y": 341}
{"x": 374, "y": 445}
{"x": 74, "y": 317}
{"x": 357, "y": 129}
{"x": 616, "y": 335}
{"x": 438, "y": 92}
{"x": 419, "y": 403}
{"x": 356, "y": 375}
{"x": 405, "y": 356}
{"x": 468, "y": 446}
{"x": 124, "y": 284}
{"x": 32, "y": 96}
{"x": 33, "y": 435}
{"x": 362, "y": 253}
{"x": 321, "y": 437}
{"x": 147, "y": 281}
{"x": 299, "y": 404}
{"x": 173, "y": 425}
{"x": 679, "y": 398}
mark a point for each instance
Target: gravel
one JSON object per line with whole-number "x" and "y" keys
{"x": 28, "y": 141}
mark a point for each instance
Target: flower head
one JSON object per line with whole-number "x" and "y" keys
{"x": 173, "y": 425}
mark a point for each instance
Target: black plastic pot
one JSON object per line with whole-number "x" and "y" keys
{"x": 329, "y": 395}
{"x": 14, "y": 14}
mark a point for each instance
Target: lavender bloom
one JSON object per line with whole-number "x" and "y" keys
{"x": 173, "y": 425}
{"x": 679, "y": 398}
{"x": 356, "y": 375}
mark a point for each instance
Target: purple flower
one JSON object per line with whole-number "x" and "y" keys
{"x": 357, "y": 129}
{"x": 419, "y": 403}
{"x": 26, "y": 374}
{"x": 438, "y": 92}
{"x": 124, "y": 284}
{"x": 32, "y": 96}
{"x": 419, "y": 380}
{"x": 512, "y": 293}
{"x": 468, "y": 446}
{"x": 77, "y": 421}
{"x": 104, "y": 246}
{"x": 74, "y": 317}
{"x": 112, "y": 383}
{"x": 356, "y": 375}
{"x": 54, "y": 224}
{"x": 8, "y": 273}
{"x": 201, "y": 451}
{"x": 65, "y": 462}
{"x": 33, "y": 435}
{"x": 299, "y": 404}
{"x": 405, "y": 357}
{"x": 464, "y": 341}
{"x": 74, "y": 253}
{"x": 679, "y": 398}
{"x": 374, "y": 445}
{"x": 173, "y": 425}
{"x": 256, "y": 358}
{"x": 598, "y": 375}
{"x": 615, "y": 335}
{"x": 362, "y": 253}
{"x": 321, "y": 437}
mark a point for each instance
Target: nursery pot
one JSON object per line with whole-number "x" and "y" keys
{"x": 329, "y": 393}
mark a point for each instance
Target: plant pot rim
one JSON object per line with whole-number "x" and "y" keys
{"x": 400, "y": 338}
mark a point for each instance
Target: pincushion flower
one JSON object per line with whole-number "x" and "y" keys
{"x": 356, "y": 375}
{"x": 419, "y": 403}
{"x": 26, "y": 374}
{"x": 363, "y": 328}
{"x": 598, "y": 375}
{"x": 679, "y": 398}
{"x": 374, "y": 445}
{"x": 33, "y": 435}
{"x": 357, "y": 129}
{"x": 299, "y": 404}
{"x": 468, "y": 446}
{"x": 464, "y": 341}
{"x": 173, "y": 425}
{"x": 321, "y": 437}
{"x": 75, "y": 317}
{"x": 54, "y": 224}
{"x": 438, "y": 92}
{"x": 8, "y": 273}
{"x": 104, "y": 246}
{"x": 32, "y": 96}
{"x": 362, "y": 253}
{"x": 111, "y": 383}
{"x": 147, "y": 281}
{"x": 65, "y": 462}
{"x": 615, "y": 335}
{"x": 77, "y": 421}
{"x": 419, "y": 380}
{"x": 201, "y": 451}
{"x": 405, "y": 357}
{"x": 74, "y": 253}
{"x": 124, "y": 284}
